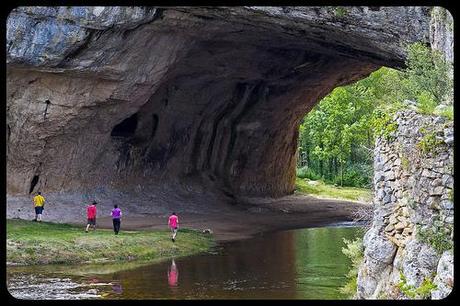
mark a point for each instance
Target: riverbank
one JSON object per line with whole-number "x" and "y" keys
{"x": 32, "y": 243}
{"x": 242, "y": 219}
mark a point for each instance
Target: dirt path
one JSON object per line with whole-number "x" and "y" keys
{"x": 252, "y": 217}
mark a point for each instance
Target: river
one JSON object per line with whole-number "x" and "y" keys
{"x": 294, "y": 264}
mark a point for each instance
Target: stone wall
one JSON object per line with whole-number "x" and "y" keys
{"x": 410, "y": 242}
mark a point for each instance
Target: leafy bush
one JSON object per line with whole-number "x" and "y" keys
{"x": 426, "y": 103}
{"x": 358, "y": 176}
{"x": 340, "y": 11}
{"x": 437, "y": 238}
{"x": 429, "y": 143}
{"x": 309, "y": 173}
{"x": 446, "y": 112}
{"x": 423, "y": 292}
{"x": 427, "y": 72}
{"x": 383, "y": 124}
{"x": 355, "y": 252}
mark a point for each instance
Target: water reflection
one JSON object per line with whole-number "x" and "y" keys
{"x": 300, "y": 264}
{"x": 173, "y": 274}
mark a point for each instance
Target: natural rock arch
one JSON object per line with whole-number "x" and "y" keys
{"x": 223, "y": 89}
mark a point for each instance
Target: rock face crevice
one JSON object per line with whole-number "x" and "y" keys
{"x": 217, "y": 93}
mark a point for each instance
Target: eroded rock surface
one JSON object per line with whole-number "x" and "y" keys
{"x": 411, "y": 239}
{"x": 113, "y": 98}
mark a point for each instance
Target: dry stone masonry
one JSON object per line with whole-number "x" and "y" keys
{"x": 411, "y": 239}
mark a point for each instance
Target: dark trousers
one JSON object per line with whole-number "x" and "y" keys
{"x": 116, "y": 225}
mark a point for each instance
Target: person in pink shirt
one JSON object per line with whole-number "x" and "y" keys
{"x": 173, "y": 223}
{"x": 91, "y": 212}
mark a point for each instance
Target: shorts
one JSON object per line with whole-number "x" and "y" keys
{"x": 38, "y": 210}
{"x": 92, "y": 221}
{"x": 174, "y": 228}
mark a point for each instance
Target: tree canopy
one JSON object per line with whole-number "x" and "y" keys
{"x": 336, "y": 138}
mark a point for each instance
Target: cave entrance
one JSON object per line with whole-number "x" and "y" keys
{"x": 33, "y": 183}
{"x": 126, "y": 128}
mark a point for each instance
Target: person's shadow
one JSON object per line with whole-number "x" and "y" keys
{"x": 173, "y": 274}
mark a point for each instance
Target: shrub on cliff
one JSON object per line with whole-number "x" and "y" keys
{"x": 354, "y": 250}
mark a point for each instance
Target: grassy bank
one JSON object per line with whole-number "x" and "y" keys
{"x": 31, "y": 243}
{"x": 322, "y": 190}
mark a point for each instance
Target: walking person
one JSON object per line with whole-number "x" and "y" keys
{"x": 173, "y": 223}
{"x": 91, "y": 212}
{"x": 116, "y": 218}
{"x": 39, "y": 205}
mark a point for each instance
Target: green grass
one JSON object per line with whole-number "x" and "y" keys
{"x": 31, "y": 243}
{"x": 319, "y": 189}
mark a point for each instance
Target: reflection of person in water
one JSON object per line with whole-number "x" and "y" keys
{"x": 116, "y": 287}
{"x": 173, "y": 274}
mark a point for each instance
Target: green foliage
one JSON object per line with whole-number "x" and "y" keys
{"x": 383, "y": 125}
{"x": 354, "y": 175}
{"x": 340, "y": 11}
{"x": 354, "y": 250}
{"x": 405, "y": 164}
{"x": 429, "y": 143}
{"x": 427, "y": 74}
{"x": 426, "y": 103}
{"x": 446, "y": 112}
{"x": 450, "y": 194}
{"x": 438, "y": 238}
{"x": 422, "y": 292}
{"x": 309, "y": 173}
{"x": 337, "y": 137}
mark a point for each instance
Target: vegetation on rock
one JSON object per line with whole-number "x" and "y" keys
{"x": 429, "y": 143}
{"x": 355, "y": 252}
{"x": 438, "y": 238}
{"x": 421, "y": 292}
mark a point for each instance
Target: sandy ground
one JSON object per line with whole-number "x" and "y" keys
{"x": 228, "y": 219}
{"x": 260, "y": 215}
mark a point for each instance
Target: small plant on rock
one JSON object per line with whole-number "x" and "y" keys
{"x": 429, "y": 143}
{"x": 437, "y": 238}
{"x": 450, "y": 194}
{"x": 422, "y": 292}
{"x": 355, "y": 252}
{"x": 340, "y": 11}
{"x": 405, "y": 164}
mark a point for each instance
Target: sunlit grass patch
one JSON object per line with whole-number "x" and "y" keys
{"x": 322, "y": 190}
{"x": 32, "y": 243}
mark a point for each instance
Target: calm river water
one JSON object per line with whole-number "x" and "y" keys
{"x": 295, "y": 264}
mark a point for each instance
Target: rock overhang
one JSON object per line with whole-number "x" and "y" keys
{"x": 218, "y": 93}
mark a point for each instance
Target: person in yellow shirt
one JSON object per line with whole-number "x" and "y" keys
{"x": 39, "y": 204}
